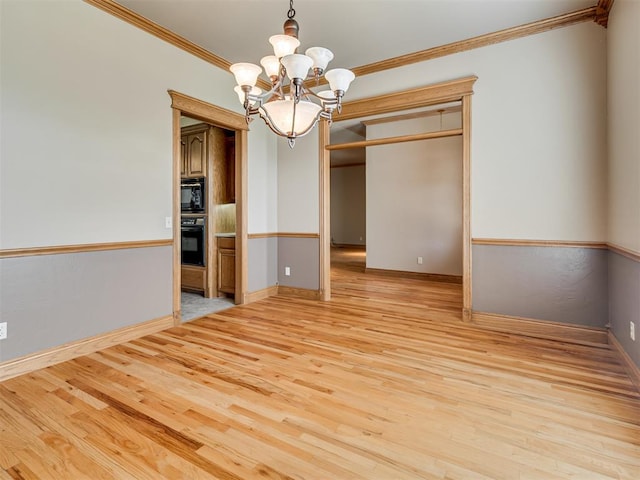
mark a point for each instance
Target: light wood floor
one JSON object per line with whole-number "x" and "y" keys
{"x": 383, "y": 382}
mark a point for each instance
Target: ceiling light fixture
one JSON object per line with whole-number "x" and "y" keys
{"x": 295, "y": 113}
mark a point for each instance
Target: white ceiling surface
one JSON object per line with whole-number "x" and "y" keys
{"x": 358, "y": 32}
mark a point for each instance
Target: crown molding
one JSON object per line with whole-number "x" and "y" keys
{"x": 500, "y": 36}
{"x": 602, "y": 12}
{"x": 597, "y": 13}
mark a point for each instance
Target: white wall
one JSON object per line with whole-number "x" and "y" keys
{"x": 538, "y": 148}
{"x": 414, "y": 199}
{"x": 624, "y": 124}
{"x": 263, "y": 179}
{"x": 86, "y": 148}
{"x": 348, "y": 205}
{"x": 298, "y": 170}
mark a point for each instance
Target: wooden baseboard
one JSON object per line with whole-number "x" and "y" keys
{"x": 72, "y": 350}
{"x": 435, "y": 277}
{"x": 355, "y": 246}
{"x": 305, "y": 293}
{"x": 629, "y": 365}
{"x": 261, "y": 294}
{"x": 540, "y": 328}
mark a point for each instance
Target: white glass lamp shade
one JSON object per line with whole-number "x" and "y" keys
{"x": 254, "y": 91}
{"x": 339, "y": 79}
{"x": 283, "y": 45}
{"x": 320, "y": 56}
{"x": 328, "y": 99}
{"x": 297, "y": 65}
{"x": 280, "y": 116}
{"x": 271, "y": 65}
{"x": 245, "y": 73}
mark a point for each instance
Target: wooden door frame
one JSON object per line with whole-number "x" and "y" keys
{"x": 451, "y": 91}
{"x": 185, "y": 105}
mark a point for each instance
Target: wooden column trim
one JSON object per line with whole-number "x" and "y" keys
{"x": 466, "y": 208}
{"x": 325, "y": 212}
{"x": 242, "y": 259}
{"x": 176, "y": 211}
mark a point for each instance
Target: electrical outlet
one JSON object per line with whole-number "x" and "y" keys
{"x": 167, "y": 222}
{"x": 287, "y": 271}
{"x": 3, "y": 330}
{"x": 419, "y": 260}
{"x": 632, "y": 331}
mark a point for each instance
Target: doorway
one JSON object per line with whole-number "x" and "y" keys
{"x": 231, "y": 126}
{"x": 453, "y": 91}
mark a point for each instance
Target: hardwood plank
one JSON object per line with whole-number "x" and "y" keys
{"x": 384, "y": 381}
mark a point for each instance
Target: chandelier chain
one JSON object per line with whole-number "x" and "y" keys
{"x": 291, "y": 13}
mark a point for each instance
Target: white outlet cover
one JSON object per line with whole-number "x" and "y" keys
{"x": 632, "y": 331}
{"x": 3, "y": 330}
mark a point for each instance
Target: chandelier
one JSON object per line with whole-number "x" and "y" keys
{"x": 290, "y": 109}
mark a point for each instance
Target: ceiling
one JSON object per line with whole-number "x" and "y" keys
{"x": 358, "y": 32}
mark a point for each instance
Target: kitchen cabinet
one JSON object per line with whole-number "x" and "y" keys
{"x": 224, "y": 166}
{"x": 193, "y": 278}
{"x": 226, "y": 265}
{"x": 193, "y": 145}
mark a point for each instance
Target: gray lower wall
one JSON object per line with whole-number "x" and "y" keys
{"x": 51, "y": 300}
{"x": 263, "y": 263}
{"x": 624, "y": 302}
{"x": 561, "y": 284}
{"x": 302, "y": 255}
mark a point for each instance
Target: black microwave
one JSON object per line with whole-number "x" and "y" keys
{"x": 192, "y": 195}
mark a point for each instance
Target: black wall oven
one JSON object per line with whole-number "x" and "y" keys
{"x": 192, "y": 195}
{"x": 193, "y": 241}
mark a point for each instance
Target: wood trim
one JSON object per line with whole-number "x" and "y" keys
{"x": 72, "y": 350}
{"x": 143, "y": 23}
{"x": 83, "y": 248}
{"x": 283, "y": 234}
{"x": 261, "y": 294}
{"x": 398, "y": 139}
{"x": 500, "y": 36}
{"x": 629, "y": 365}
{"x": 435, "y": 94}
{"x": 242, "y": 202}
{"x": 357, "y": 246}
{"x": 212, "y": 114}
{"x": 411, "y": 116}
{"x": 454, "y": 90}
{"x": 324, "y": 217}
{"x": 633, "y": 255}
{"x": 177, "y": 234}
{"x": 436, "y": 277}
{"x": 540, "y": 328}
{"x": 537, "y": 243}
{"x": 467, "y": 263}
{"x": 598, "y": 13}
{"x": 346, "y": 165}
{"x": 602, "y": 12}
{"x": 304, "y": 293}
{"x": 251, "y": 236}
